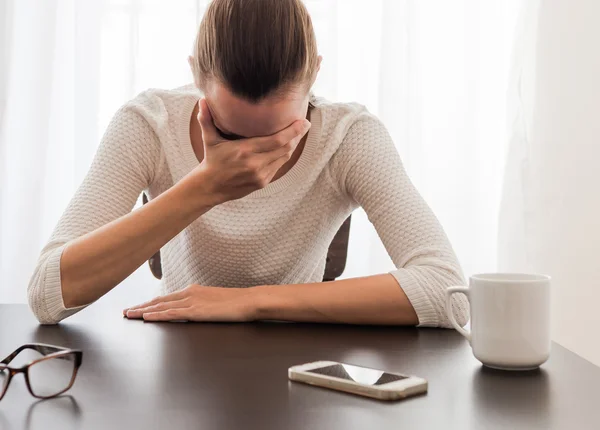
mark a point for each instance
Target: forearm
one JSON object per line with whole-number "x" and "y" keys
{"x": 371, "y": 300}
{"x": 95, "y": 263}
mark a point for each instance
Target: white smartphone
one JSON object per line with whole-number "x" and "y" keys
{"x": 363, "y": 381}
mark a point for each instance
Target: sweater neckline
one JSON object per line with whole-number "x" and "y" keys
{"x": 294, "y": 176}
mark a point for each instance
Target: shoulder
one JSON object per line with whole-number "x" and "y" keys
{"x": 159, "y": 107}
{"x": 366, "y": 135}
{"x": 348, "y": 124}
{"x": 337, "y": 117}
{"x": 349, "y": 130}
{"x": 362, "y": 142}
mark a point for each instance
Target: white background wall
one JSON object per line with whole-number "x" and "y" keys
{"x": 550, "y": 220}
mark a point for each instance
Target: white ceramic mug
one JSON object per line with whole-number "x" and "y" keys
{"x": 510, "y": 319}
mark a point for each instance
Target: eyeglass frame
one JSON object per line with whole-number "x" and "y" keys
{"x": 49, "y": 352}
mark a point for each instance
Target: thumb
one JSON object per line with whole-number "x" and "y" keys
{"x": 210, "y": 136}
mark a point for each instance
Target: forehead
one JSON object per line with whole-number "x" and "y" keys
{"x": 234, "y": 115}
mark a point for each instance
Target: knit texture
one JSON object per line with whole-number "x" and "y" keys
{"x": 277, "y": 235}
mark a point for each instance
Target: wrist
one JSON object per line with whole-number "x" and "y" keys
{"x": 196, "y": 192}
{"x": 264, "y": 302}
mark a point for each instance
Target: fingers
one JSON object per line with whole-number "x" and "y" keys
{"x": 284, "y": 151}
{"x": 210, "y": 135}
{"x": 277, "y": 159}
{"x": 274, "y": 160}
{"x": 271, "y": 169}
{"x": 159, "y": 307}
{"x": 278, "y": 162}
{"x": 294, "y": 133}
{"x": 178, "y": 295}
{"x": 269, "y": 162}
{"x": 179, "y": 314}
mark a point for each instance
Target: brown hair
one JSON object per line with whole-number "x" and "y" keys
{"x": 256, "y": 47}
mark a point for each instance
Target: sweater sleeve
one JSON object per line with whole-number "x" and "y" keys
{"x": 123, "y": 167}
{"x": 369, "y": 171}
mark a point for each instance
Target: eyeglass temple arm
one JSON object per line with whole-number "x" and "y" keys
{"x": 42, "y": 349}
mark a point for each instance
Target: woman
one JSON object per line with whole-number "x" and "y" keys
{"x": 250, "y": 177}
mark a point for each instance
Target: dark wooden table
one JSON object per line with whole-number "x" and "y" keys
{"x": 138, "y": 375}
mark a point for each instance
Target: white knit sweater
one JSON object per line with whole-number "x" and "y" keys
{"x": 277, "y": 235}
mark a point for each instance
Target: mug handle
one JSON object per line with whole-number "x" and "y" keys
{"x": 449, "y": 292}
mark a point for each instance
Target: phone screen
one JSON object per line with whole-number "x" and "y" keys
{"x": 361, "y": 375}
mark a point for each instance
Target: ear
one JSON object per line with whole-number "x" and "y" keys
{"x": 191, "y": 62}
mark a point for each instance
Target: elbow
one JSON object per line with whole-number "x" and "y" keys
{"x": 459, "y": 304}
{"x": 459, "y": 310}
{"x": 44, "y": 293}
{"x": 36, "y": 307}
{"x": 425, "y": 287}
{"x": 37, "y": 304}
{"x": 46, "y": 319}
{"x": 461, "y": 316}
{"x": 435, "y": 281}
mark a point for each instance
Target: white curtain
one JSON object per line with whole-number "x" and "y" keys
{"x": 549, "y": 213}
{"x": 434, "y": 71}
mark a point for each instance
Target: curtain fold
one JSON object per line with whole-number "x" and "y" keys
{"x": 5, "y": 54}
{"x": 549, "y": 218}
{"x": 435, "y": 72}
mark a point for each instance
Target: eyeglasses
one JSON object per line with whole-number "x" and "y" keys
{"x": 46, "y": 377}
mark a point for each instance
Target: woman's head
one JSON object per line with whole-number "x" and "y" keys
{"x": 255, "y": 61}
